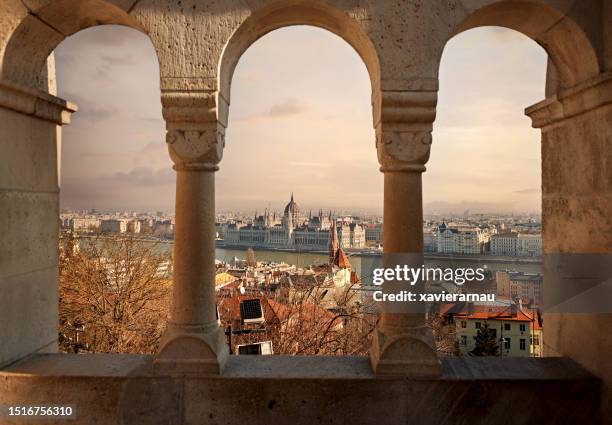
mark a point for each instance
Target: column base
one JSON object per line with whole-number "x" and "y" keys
{"x": 410, "y": 353}
{"x": 192, "y": 350}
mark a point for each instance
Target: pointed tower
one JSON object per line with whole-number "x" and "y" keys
{"x": 333, "y": 243}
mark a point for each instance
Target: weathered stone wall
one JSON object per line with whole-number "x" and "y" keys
{"x": 305, "y": 390}
{"x": 28, "y": 246}
{"x": 30, "y": 137}
{"x": 577, "y": 222}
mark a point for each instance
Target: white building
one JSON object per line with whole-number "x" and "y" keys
{"x": 113, "y": 226}
{"x": 461, "y": 240}
{"x": 430, "y": 242}
{"x": 504, "y": 244}
{"x": 133, "y": 226}
{"x": 529, "y": 245}
{"x": 294, "y": 231}
{"x": 518, "y": 331}
{"x": 374, "y": 234}
{"x": 163, "y": 229}
{"x": 84, "y": 224}
{"x": 351, "y": 236}
{"x": 516, "y": 244}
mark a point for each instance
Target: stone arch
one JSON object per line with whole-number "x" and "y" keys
{"x": 43, "y": 29}
{"x": 568, "y": 46}
{"x": 290, "y": 13}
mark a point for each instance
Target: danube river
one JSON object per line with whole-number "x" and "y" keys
{"x": 303, "y": 259}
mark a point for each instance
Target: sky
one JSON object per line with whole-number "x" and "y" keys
{"x": 301, "y": 121}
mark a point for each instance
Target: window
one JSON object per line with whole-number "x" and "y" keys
{"x": 507, "y": 343}
{"x": 522, "y": 344}
{"x": 477, "y": 325}
{"x": 535, "y": 340}
{"x": 522, "y": 327}
{"x": 463, "y": 340}
{"x": 506, "y": 326}
{"x": 493, "y": 332}
{"x": 464, "y": 324}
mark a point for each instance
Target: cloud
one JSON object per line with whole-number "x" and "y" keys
{"x": 110, "y": 35}
{"x": 107, "y": 65}
{"x": 118, "y": 60}
{"x": 289, "y": 107}
{"x": 151, "y": 120}
{"x": 530, "y": 191}
{"x": 95, "y": 114}
{"x": 250, "y": 77}
{"x": 143, "y": 176}
{"x": 309, "y": 164}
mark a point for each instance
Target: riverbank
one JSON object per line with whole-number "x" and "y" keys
{"x": 484, "y": 258}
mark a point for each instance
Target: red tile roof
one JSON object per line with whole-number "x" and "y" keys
{"x": 485, "y": 312}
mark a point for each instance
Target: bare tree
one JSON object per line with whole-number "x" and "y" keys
{"x": 445, "y": 335}
{"x": 303, "y": 317}
{"x": 323, "y": 319}
{"x": 117, "y": 289}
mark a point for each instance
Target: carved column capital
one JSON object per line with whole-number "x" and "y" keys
{"x": 403, "y": 151}
{"x": 196, "y": 150}
{"x": 195, "y": 124}
{"x": 403, "y": 133}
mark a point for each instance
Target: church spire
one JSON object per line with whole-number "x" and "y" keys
{"x": 333, "y": 243}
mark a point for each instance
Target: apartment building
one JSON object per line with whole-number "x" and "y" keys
{"x": 518, "y": 330}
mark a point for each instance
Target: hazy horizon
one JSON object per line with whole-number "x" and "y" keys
{"x": 309, "y": 115}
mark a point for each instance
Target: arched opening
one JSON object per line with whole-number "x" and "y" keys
{"x": 568, "y": 46}
{"x": 483, "y": 190}
{"x": 572, "y": 60}
{"x": 282, "y": 15}
{"x": 299, "y": 175}
{"x": 117, "y": 194}
{"x": 33, "y": 149}
{"x": 43, "y": 29}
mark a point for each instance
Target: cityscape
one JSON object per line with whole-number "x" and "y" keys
{"x": 277, "y": 257}
{"x": 292, "y": 229}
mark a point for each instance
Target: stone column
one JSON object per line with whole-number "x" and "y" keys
{"x": 193, "y": 342}
{"x": 576, "y": 125}
{"x": 403, "y": 344}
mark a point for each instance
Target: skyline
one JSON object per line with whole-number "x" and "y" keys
{"x": 457, "y": 212}
{"x": 318, "y": 99}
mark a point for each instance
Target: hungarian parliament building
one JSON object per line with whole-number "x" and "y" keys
{"x": 294, "y": 231}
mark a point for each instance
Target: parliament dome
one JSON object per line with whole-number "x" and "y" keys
{"x": 292, "y": 209}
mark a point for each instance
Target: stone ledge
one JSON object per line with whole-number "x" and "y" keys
{"x": 36, "y": 103}
{"x": 571, "y": 102}
{"x": 121, "y": 389}
{"x": 300, "y": 367}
